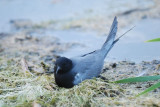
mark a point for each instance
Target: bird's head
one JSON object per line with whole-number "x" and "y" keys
{"x": 62, "y": 65}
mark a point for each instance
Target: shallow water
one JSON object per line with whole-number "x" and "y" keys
{"x": 130, "y": 47}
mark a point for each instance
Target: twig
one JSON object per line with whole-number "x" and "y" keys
{"x": 25, "y": 67}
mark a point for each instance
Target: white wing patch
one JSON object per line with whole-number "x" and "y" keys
{"x": 78, "y": 78}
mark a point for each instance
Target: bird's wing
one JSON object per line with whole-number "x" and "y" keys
{"x": 111, "y": 38}
{"x": 87, "y": 54}
{"x": 110, "y": 41}
{"x": 88, "y": 66}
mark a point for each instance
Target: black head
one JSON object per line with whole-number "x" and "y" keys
{"x": 63, "y": 76}
{"x": 62, "y": 65}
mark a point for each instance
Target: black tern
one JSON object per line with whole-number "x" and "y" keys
{"x": 72, "y": 71}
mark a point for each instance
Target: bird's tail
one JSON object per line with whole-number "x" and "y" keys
{"x": 111, "y": 38}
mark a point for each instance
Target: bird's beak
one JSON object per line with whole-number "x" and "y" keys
{"x": 58, "y": 68}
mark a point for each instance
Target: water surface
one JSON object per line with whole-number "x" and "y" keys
{"x": 130, "y": 47}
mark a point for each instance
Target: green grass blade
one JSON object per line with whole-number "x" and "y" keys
{"x": 154, "y": 40}
{"x": 149, "y": 89}
{"x": 138, "y": 79}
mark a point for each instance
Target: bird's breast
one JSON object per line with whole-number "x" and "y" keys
{"x": 64, "y": 80}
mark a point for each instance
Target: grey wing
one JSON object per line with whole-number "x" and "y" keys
{"x": 88, "y": 53}
{"x": 88, "y": 66}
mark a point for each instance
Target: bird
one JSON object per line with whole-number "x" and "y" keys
{"x": 69, "y": 72}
